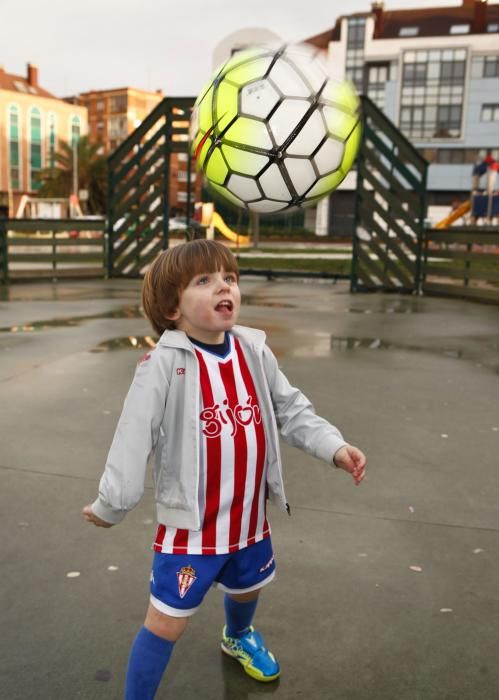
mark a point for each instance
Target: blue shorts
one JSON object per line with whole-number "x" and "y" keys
{"x": 179, "y": 582}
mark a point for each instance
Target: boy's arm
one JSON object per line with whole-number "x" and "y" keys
{"x": 353, "y": 461}
{"x": 122, "y": 483}
{"x": 298, "y": 423}
{"x": 90, "y": 517}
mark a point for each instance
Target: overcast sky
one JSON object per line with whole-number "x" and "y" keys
{"x": 150, "y": 44}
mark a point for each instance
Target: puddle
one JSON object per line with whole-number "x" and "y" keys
{"x": 345, "y": 344}
{"x": 401, "y": 306}
{"x": 131, "y": 342}
{"x": 316, "y": 345}
{"x": 125, "y": 312}
{"x": 248, "y": 300}
{"x": 58, "y": 291}
{"x": 322, "y": 345}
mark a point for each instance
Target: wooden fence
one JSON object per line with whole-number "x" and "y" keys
{"x": 457, "y": 262}
{"x": 462, "y": 262}
{"x": 52, "y": 248}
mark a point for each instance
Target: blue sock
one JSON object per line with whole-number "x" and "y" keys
{"x": 238, "y": 616}
{"x": 148, "y": 659}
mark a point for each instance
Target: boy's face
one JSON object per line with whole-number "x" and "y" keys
{"x": 209, "y": 306}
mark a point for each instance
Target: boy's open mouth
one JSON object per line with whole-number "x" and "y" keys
{"x": 225, "y": 305}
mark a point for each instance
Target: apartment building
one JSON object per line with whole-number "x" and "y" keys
{"x": 435, "y": 73}
{"x": 33, "y": 122}
{"x": 114, "y": 114}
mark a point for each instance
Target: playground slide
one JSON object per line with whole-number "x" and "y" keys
{"x": 454, "y": 215}
{"x": 219, "y": 223}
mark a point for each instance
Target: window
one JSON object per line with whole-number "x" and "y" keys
{"x": 118, "y": 104}
{"x": 490, "y": 113}
{"x": 377, "y": 77}
{"x": 491, "y": 67}
{"x": 451, "y": 156}
{"x": 51, "y": 139}
{"x": 408, "y": 31}
{"x": 460, "y": 29}
{"x": 432, "y": 93}
{"x": 118, "y": 128}
{"x": 485, "y": 67}
{"x": 356, "y": 32}
{"x": 414, "y": 73}
{"x": 452, "y": 72}
{"x": 35, "y": 147}
{"x": 448, "y": 120}
{"x": 459, "y": 156}
{"x": 14, "y": 149}
{"x": 354, "y": 67}
{"x": 493, "y": 27}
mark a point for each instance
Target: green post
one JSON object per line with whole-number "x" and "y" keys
{"x": 467, "y": 263}
{"x": 420, "y": 268}
{"x": 4, "y": 252}
{"x": 357, "y": 215}
{"x": 166, "y": 174}
{"x": 189, "y": 189}
{"x": 54, "y": 252}
{"x": 110, "y": 219}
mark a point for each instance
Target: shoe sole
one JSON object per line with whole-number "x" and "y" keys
{"x": 248, "y": 670}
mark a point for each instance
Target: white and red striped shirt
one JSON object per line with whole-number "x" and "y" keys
{"x": 232, "y": 485}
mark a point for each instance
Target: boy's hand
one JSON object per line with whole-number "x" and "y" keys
{"x": 90, "y": 517}
{"x": 352, "y": 460}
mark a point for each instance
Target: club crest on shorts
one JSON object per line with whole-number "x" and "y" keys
{"x": 185, "y": 577}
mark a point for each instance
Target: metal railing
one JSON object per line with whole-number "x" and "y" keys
{"x": 139, "y": 187}
{"x": 390, "y": 208}
{"x": 462, "y": 262}
{"x": 53, "y": 248}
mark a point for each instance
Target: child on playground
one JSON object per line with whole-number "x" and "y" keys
{"x": 210, "y": 400}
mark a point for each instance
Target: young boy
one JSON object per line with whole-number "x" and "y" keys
{"x": 210, "y": 400}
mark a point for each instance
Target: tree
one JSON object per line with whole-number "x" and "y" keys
{"x": 57, "y": 180}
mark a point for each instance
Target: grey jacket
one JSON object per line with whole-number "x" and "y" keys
{"x": 161, "y": 413}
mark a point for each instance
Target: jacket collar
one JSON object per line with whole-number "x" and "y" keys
{"x": 249, "y": 336}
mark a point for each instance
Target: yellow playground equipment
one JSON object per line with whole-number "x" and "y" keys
{"x": 455, "y": 214}
{"x": 484, "y": 201}
{"x": 212, "y": 220}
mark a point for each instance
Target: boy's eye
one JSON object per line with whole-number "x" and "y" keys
{"x": 231, "y": 279}
{"x": 202, "y": 280}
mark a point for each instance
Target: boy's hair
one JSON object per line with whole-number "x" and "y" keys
{"x": 171, "y": 272}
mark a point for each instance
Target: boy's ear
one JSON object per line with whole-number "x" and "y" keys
{"x": 174, "y": 316}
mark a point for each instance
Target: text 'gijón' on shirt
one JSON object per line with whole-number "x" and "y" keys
{"x": 232, "y": 485}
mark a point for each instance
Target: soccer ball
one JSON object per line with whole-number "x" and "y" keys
{"x": 272, "y": 132}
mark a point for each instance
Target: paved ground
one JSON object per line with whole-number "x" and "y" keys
{"x": 385, "y": 592}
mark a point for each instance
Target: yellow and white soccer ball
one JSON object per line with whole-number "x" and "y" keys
{"x": 271, "y": 131}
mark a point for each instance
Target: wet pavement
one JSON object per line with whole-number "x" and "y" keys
{"x": 384, "y": 592}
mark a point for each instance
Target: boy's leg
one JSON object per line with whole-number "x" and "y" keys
{"x": 150, "y": 653}
{"x": 239, "y": 612}
{"x": 242, "y": 579}
{"x": 178, "y": 586}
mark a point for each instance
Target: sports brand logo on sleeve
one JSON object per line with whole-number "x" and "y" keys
{"x": 215, "y": 417}
{"x": 185, "y": 577}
